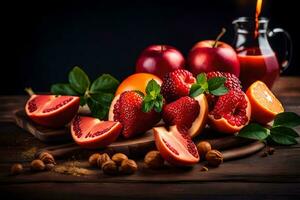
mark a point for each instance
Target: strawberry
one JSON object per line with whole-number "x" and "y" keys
{"x": 177, "y": 84}
{"x": 128, "y": 111}
{"x": 181, "y": 112}
{"x": 232, "y": 82}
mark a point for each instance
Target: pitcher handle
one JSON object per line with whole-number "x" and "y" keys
{"x": 288, "y": 47}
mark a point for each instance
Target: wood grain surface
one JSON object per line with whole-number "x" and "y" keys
{"x": 254, "y": 177}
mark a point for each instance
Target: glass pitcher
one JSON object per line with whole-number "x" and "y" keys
{"x": 257, "y": 59}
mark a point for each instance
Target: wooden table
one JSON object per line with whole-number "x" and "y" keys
{"x": 272, "y": 177}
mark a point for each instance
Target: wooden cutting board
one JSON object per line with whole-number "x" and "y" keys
{"x": 232, "y": 147}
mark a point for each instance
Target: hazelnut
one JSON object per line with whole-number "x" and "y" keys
{"x": 47, "y": 158}
{"x": 103, "y": 158}
{"x": 93, "y": 159}
{"x": 110, "y": 167}
{"x": 271, "y": 151}
{"x": 49, "y": 166}
{"x": 37, "y": 165}
{"x": 16, "y": 169}
{"x": 128, "y": 167}
{"x": 119, "y": 157}
{"x": 203, "y": 147}
{"x": 154, "y": 160}
{"x": 214, "y": 158}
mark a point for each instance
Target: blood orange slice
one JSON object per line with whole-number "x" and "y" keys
{"x": 175, "y": 147}
{"x": 90, "y": 132}
{"x": 52, "y": 111}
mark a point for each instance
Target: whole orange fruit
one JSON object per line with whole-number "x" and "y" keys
{"x": 137, "y": 81}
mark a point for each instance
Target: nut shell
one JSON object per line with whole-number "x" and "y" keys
{"x": 103, "y": 159}
{"x": 93, "y": 159}
{"x": 128, "y": 167}
{"x": 49, "y": 166}
{"x": 37, "y": 165}
{"x": 214, "y": 158}
{"x": 119, "y": 157}
{"x": 47, "y": 158}
{"x": 154, "y": 160}
{"x": 16, "y": 169}
{"x": 110, "y": 167}
{"x": 203, "y": 147}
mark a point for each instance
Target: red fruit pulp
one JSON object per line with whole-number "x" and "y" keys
{"x": 52, "y": 111}
{"x": 90, "y": 132}
{"x": 232, "y": 107}
{"x": 176, "y": 147}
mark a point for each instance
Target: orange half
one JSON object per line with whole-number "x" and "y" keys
{"x": 200, "y": 122}
{"x": 265, "y": 106}
{"x": 137, "y": 81}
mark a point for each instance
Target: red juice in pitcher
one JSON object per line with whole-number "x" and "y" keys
{"x": 257, "y": 59}
{"x": 258, "y": 64}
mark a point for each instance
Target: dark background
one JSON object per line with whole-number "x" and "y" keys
{"x": 43, "y": 40}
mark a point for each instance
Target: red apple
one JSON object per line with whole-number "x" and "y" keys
{"x": 159, "y": 60}
{"x": 213, "y": 55}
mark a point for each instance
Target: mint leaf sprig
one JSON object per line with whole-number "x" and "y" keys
{"x": 213, "y": 86}
{"x": 281, "y": 132}
{"x": 153, "y": 99}
{"x": 98, "y": 95}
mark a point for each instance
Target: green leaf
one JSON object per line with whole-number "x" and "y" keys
{"x": 104, "y": 83}
{"x": 82, "y": 100}
{"x": 287, "y": 119}
{"x": 153, "y": 87}
{"x": 147, "y": 106}
{"x": 215, "y": 83}
{"x": 283, "y": 138}
{"x": 284, "y": 131}
{"x": 201, "y": 79}
{"x": 63, "y": 89}
{"x": 219, "y": 91}
{"x": 103, "y": 98}
{"x": 254, "y": 131}
{"x": 205, "y": 86}
{"x": 153, "y": 98}
{"x": 79, "y": 80}
{"x": 158, "y": 103}
{"x": 148, "y": 98}
{"x": 97, "y": 109}
{"x": 196, "y": 90}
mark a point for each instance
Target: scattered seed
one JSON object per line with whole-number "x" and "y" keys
{"x": 204, "y": 169}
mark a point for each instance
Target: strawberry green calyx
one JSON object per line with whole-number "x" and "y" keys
{"x": 153, "y": 99}
{"x": 214, "y": 86}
